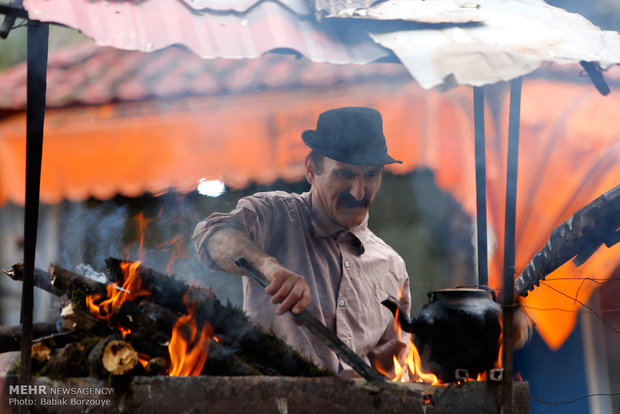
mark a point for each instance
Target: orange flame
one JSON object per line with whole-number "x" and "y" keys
{"x": 188, "y": 346}
{"x": 143, "y": 359}
{"x": 117, "y": 295}
{"x": 410, "y": 370}
{"x": 176, "y": 246}
{"x": 141, "y": 222}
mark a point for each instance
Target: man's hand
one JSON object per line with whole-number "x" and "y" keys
{"x": 286, "y": 288}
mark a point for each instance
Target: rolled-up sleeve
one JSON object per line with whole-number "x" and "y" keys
{"x": 251, "y": 216}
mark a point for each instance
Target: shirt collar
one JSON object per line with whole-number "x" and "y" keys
{"x": 323, "y": 226}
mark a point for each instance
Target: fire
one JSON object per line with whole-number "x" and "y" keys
{"x": 176, "y": 246}
{"x": 189, "y": 346}
{"x": 410, "y": 370}
{"x": 117, "y": 295}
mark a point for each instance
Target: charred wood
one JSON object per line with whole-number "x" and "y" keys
{"x": 166, "y": 290}
{"x": 58, "y": 280}
{"x": 73, "y": 318}
{"x": 11, "y": 336}
{"x": 577, "y": 238}
{"x": 70, "y": 360}
{"x": 70, "y": 282}
{"x": 42, "y": 279}
{"x": 163, "y": 317}
{"x": 240, "y": 348}
{"x": 58, "y": 340}
{"x": 264, "y": 351}
{"x": 223, "y": 360}
{"x": 145, "y": 333}
{"x": 156, "y": 366}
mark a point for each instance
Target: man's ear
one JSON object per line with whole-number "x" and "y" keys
{"x": 309, "y": 170}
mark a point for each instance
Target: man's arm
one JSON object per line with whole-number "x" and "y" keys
{"x": 287, "y": 289}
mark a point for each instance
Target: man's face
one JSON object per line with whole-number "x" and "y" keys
{"x": 345, "y": 191}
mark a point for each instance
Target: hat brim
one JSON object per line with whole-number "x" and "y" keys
{"x": 309, "y": 138}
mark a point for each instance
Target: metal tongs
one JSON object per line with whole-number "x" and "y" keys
{"x": 320, "y": 331}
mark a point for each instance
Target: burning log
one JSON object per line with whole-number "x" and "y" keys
{"x": 268, "y": 353}
{"x": 165, "y": 290}
{"x": 148, "y": 309}
{"x": 11, "y": 336}
{"x": 73, "y": 318}
{"x": 144, "y": 333}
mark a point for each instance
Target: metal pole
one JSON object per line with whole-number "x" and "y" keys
{"x": 508, "y": 296}
{"x": 481, "y": 195}
{"x": 38, "y": 34}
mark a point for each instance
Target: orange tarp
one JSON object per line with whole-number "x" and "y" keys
{"x": 138, "y": 147}
{"x": 569, "y": 155}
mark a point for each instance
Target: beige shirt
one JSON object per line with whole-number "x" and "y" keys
{"x": 349, "y": 274}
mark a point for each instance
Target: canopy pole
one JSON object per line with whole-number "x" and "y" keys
{"x": 508, "y": 296}
{"x": 38, "y": 35}
{"x": 481, "y": 196}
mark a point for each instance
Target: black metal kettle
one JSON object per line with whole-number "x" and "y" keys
{"x": 459, "y": 329}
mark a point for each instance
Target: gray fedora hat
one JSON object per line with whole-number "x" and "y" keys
{"x": 352, "y": 134}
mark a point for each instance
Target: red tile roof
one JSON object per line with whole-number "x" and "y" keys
{"x": 89, "y": 74}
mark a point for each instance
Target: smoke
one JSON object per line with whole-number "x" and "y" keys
{"x": 155, "y": 230}
{"x": 90, "y": 234}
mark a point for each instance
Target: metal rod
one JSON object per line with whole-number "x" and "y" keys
{"x": 481, "y": 196}
{"x": 508, "y": 296}
{"x": 38, "y": 34}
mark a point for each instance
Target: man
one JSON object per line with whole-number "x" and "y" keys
{"x": 315, "y": 248}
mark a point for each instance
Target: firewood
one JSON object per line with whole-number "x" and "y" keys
{"x": 41, "y": 352}
{"x": 222, "y": 360}
{"x": 73, "y": 318}
{"x": 112, "y": 356}
{"x": 264, "y": 351}
{"x": 145, "y": 335}
{"x": 68, "y": 281}
{"x": 156, "y": 366}
{"x": 60, "y": 339}
{"x": 245, "y": 348}
{"x": 163, "y": 317}
{"x": 58, "y": 280}
{"x": 166, "y": 290}
{"x": 70, "y": 360}
{"x": 41, "y": 278}
{"x": 11, "y": 336}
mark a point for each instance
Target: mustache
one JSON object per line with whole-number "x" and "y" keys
{"x": 348, "y": 201}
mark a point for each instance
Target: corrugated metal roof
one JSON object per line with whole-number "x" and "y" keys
{"x": 516, "y": 38}
{"x": 422, "y": 11}
{"x": 90, "y": 74}
{"x": 441, "y": 43}
{"x": 151, "y": 25}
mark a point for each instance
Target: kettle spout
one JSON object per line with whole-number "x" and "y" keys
{"x": 406, "y": 323}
